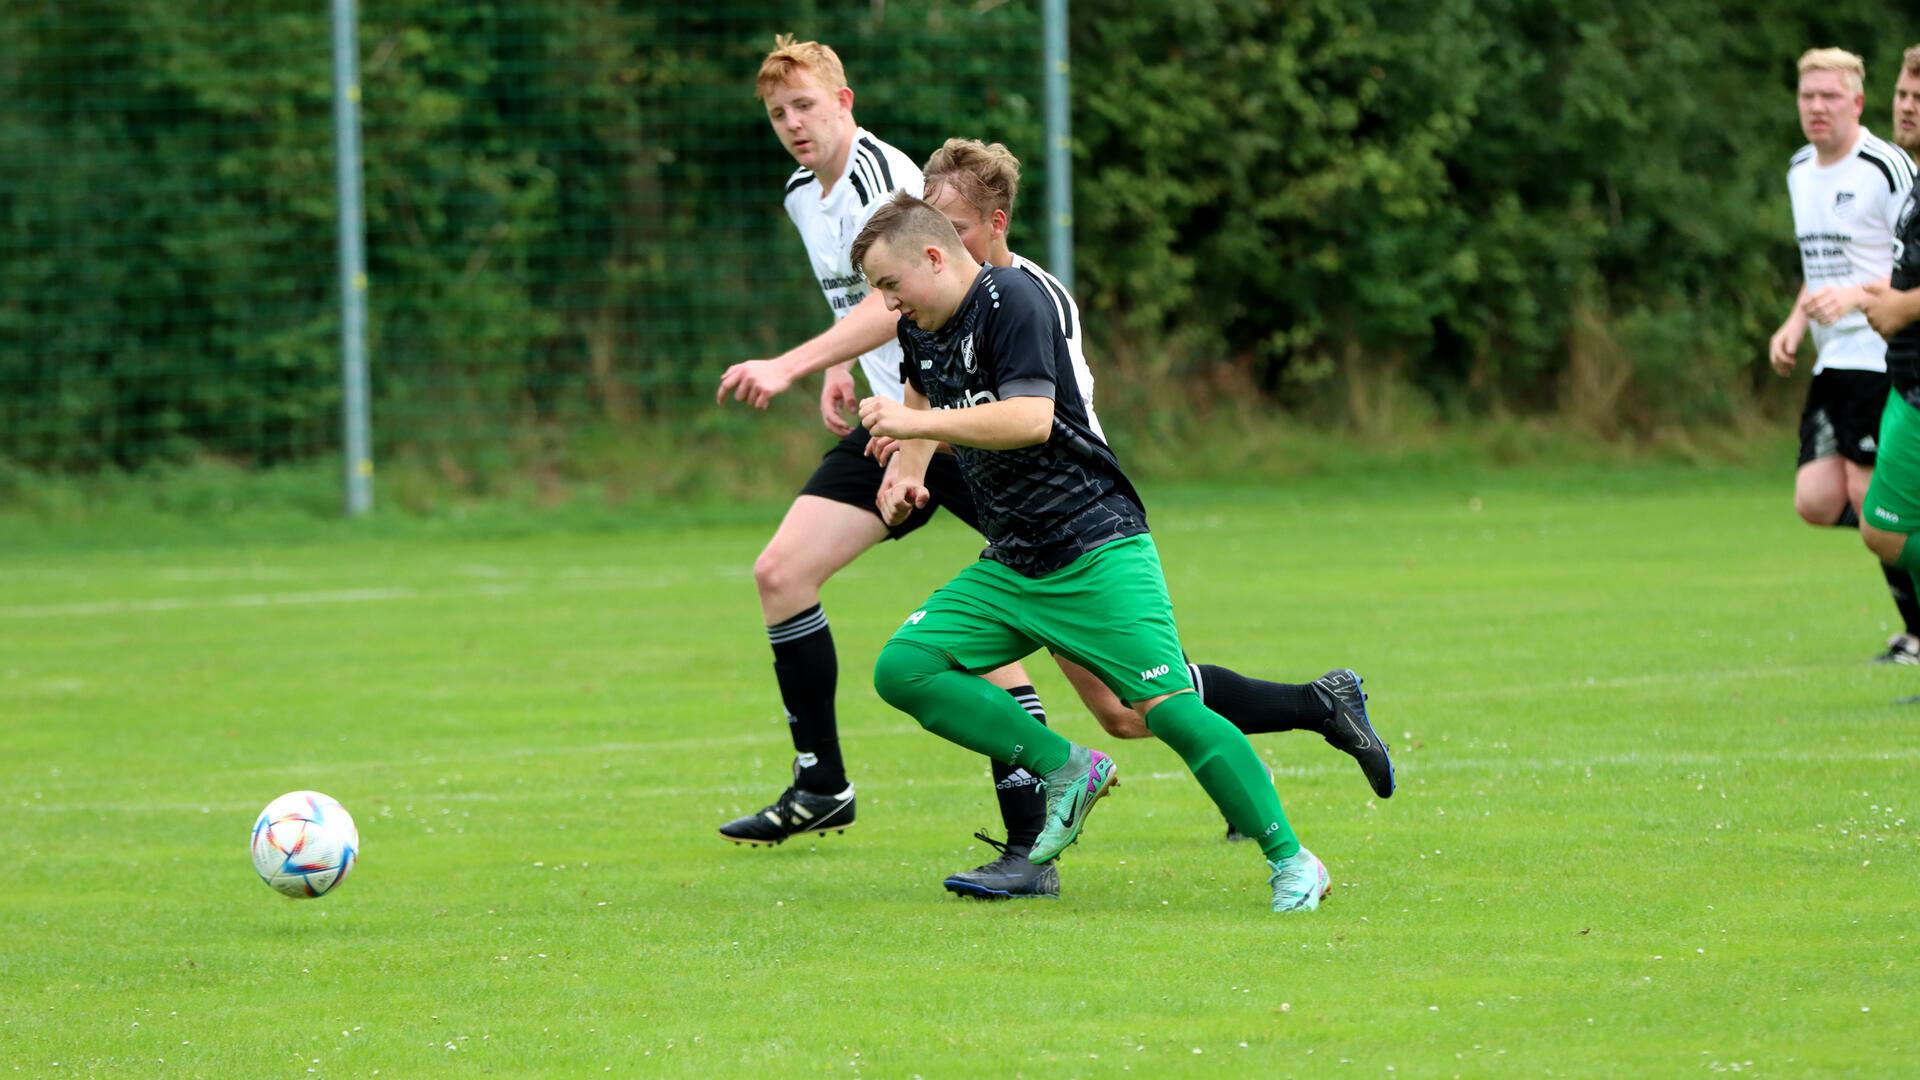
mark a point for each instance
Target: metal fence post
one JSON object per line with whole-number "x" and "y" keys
{"x": 357, "y": 446}
{"x": 1059, "y": 147}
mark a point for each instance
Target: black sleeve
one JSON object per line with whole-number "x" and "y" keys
{"x": 908, "y": 369}
{"x": 1021, "y": 337}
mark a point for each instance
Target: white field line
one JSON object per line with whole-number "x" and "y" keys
{"x": 332, "y": 596}
{"x": 1517, "y": 763}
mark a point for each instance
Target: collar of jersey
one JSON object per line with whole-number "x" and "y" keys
{"x": 846, "y": 171}
{"x": 1859, "y": 140}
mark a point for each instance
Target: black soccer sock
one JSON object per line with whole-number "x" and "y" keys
{"x": 1256, "y": 706}
{"x": 1900, "y": 585}
{"x": 1848, "y": 519}
{"x": 1023, "y": 806}
{"x": 805, "y": 664}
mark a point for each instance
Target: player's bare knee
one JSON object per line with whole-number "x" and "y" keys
{"x": 776, "y": 578}
{"x": 1122, "y": 721}
{"x": 1885, "y": 545}
{"x": 767, "y": 572}
{"x": 1123, "y": 724}
{"x": 1818, "y": 507}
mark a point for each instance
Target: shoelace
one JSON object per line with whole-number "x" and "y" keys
{"x": 1005, "y": 852}
{"x": 1296, "y": 877}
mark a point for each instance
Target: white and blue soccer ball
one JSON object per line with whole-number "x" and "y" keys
{"x": 305, "y": 844}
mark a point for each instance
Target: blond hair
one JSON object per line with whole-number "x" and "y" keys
{"x": 1851, "y": 69}
{"x": 986, "y": 176}
{"x": 904, "y": 222}
{"x": 1910, "y": 63}
{"x": 790, "y": 56}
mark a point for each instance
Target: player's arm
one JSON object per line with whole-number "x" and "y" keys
{"x": 1835, "y": 302}
{"x": 1786, "y": 340}
{"x": 1890, "y": 310}
{"x": 904, "y": 488}
{"x": 865, "y": 328}
{"x": 995, "y": 425}
{"x": 1019, "y": 339}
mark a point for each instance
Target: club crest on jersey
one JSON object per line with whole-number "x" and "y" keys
{"x": 1842, "y": 201}
{"x": 966, "y": 352}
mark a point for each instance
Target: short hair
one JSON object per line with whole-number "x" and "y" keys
{"x": 1910, "y": 63}
{"x": 904, "y": 220}
{"x": 789, "y": 56}
{"x": 1851, "y": 69}
{"x": 985, "y": 175}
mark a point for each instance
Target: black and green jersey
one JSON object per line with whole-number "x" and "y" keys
{"x": 1041, "y": 507}
{"x": 1903, "y": 349}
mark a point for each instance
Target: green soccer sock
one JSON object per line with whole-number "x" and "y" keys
{"x": 966, "y": 709}
{"x": 1224, "y": 762}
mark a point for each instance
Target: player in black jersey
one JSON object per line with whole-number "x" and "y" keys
{"x": 976, "y": 185}
{"x": 1333, "y": 706}
{"x": 1070, "y": 565}
{"x": 1890, "y": 514}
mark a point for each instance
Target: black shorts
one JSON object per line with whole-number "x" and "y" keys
{"x": 847, "y": 475}
{"x": 1843, "y": 415}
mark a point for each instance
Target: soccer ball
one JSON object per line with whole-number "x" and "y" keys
{"x": 304, "y": 844}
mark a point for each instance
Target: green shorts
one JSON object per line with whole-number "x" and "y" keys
{"x": 1893, "y": 499}
{"x": 1107, "y": 611}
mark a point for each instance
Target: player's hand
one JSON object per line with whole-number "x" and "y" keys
{"x": 889, "y": 418}
{"x": 1831, "y": 304}
{"x": 1781, "y": 348}
{"x": 756, "y": 382}
{"x": 881, "y": 448}
{"x": 898, "y": 499}
{"x": 1886, "y": 310}
{"x": 836, "y": 395}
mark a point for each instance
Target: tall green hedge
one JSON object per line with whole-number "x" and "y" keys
{"x": 1502, "y": 200}
{"x": 573, "y": 207}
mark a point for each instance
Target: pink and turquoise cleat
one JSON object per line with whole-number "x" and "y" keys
{"x": 1072, "y": 789}
{"x": 1299, "y": 882}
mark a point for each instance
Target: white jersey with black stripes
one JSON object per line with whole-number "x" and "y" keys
{"x": 1070, "y": 326}
{"x": 830, "y": 220}
{"x": 1843, "y": 217}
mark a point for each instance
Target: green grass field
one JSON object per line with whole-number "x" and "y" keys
{"x": 1657, "y": 813}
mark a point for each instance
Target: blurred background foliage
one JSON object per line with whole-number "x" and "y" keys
{"x": 1375, "y": 217}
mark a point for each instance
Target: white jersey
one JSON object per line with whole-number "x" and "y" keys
{"x": 828, "y": 225}
{"x": 1071, "y": 327}
{"x": 1843, "y": 217}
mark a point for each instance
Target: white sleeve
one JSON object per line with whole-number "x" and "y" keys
{"x": 1897, "y": 198}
